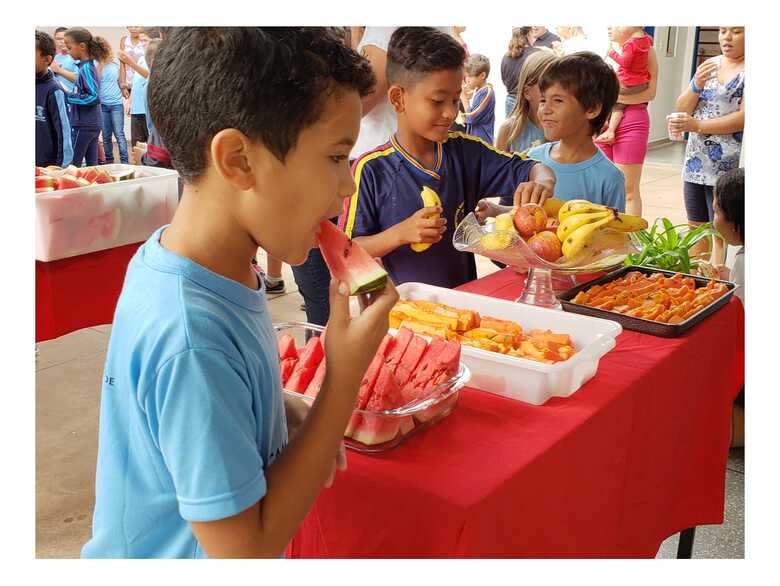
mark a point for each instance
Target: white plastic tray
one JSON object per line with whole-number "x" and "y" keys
{"x": 519, "y": 378}
{"x": 86, "y": 219}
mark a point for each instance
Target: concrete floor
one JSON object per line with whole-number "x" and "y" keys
{"x": 68, "y": 395}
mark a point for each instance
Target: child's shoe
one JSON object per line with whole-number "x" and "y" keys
{"x": 273, "y": 285}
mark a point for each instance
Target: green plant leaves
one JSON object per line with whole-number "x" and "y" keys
{"x": 666, "y": 246}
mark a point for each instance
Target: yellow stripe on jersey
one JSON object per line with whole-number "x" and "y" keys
{"x": 482, "y": 104}
{"x": 417, "y": 164}
{"x": 353, "y": 204}
{"x": 477, "y": 139}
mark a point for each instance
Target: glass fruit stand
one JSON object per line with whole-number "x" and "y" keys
{"x": 543, "y": 279}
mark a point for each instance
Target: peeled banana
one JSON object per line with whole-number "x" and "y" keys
{"x": 430, "y": 199}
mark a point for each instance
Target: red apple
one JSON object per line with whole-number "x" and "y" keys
{"x": 546, "y": 245}
{"x": 529, "y": 219}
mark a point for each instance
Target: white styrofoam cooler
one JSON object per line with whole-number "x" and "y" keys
{"x": 86, "y": 219}
{"x": 520, "y": 378}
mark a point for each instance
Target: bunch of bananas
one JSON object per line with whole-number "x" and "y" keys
{"x": 583, "y": 224}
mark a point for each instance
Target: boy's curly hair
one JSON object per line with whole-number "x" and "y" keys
{"x": 417, "y": 50}
{"x": 589, "y": 78}
{"x": 269, "y": 83}
{"x": 477, "y": 64}
{"x": 45, "y": 44}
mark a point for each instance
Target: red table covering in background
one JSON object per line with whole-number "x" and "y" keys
{"x": 80, "y": 291}
{"x": 635, "y": 455}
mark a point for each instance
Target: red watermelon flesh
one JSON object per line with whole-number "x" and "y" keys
{"x": 316, "y": 382}
{"x": 410, "y": 359}
{"x": 387, "y": 393}
{"x": 348, "y": 262}
{"x": 287, "y": 367}
{"x": 447, "y": 364}
{"x": 369, "y": 378}
{"x": 375, "y": 429}
{"x": 402, "y": 339}
{"x": 287, "y": 347}
{"x": 309, "y": 360}
{"x": 425, "y": 368}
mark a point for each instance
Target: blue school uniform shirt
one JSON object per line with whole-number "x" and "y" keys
{"x": 84, "y": 99}
{"x": 138, "y": 93}
{"x": 66, "y": 62}
{"x": 389, "y": 181}
{"x": 110, "y": 92}
{"x": 191, "y": 407}
{"x": 52, "y": 126}
{"x": 483, "y": 104}
{"x": 597, "y": 179}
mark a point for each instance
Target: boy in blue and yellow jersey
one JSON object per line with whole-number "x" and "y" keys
{"x": 386, "y": 214}
{"x": 480, "y": 114}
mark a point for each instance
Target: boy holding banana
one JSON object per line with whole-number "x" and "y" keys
{"x": 412, "y": 191}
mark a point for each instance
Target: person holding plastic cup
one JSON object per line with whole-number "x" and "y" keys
{"x": 712, "y": 110}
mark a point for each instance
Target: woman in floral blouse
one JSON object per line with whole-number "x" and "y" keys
{"x": 713, "y": 108}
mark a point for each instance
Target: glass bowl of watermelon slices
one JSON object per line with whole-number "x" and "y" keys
{"x": 412, "y": 383}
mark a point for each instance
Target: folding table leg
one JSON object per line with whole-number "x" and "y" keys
{"x": 685, "y": 545}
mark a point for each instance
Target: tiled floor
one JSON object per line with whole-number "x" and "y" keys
{"x": 67, "y": 403}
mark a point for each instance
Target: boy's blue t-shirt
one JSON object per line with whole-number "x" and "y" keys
{"x": 110, "y": 92}
{"x": 389, "y": 181}
{"x": 69, "y": 63}
{"x": 138, "y": 93}
{"x": 191, "y": 409}
{"x": 597, "y": 179}
{"x": 482, "y": 123}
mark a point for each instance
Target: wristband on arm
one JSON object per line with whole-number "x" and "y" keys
{"x": 694, "y": 88}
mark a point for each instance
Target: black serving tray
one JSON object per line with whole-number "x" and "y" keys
{"x": 637, "y": 324}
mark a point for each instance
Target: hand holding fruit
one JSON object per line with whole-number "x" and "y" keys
{"x": 351, "y": 344}
{"x": 532, "y": 192}
{"x": 424, "y": 226}
{"x": 487, "y": 209}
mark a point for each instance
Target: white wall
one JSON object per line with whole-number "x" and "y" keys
{"x": 111, "y": 33}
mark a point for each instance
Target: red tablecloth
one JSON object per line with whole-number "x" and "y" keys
{"x": 634, "y": 456}
{"x": 80, "y": 291}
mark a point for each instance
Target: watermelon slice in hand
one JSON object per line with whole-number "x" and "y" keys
{"x": 348, "y": 262}
{"x": 310, "y": 357}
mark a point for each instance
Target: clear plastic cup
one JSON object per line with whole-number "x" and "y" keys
{"x": 675, "y": 136}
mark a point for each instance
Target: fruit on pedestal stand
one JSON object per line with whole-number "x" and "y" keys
{"x": 552, "y": 206}
{"x": 529, "y": 219}
{"x": 495, "y": 240}
{"x": 505, "y": 222}
{"x": 546, "y": 245}
{"x": 429, "y": 199}
{"x": 348, "y": 262}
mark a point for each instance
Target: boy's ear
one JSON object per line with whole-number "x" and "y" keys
{"x": 396, "y": 95}
{"x": 230, "y": 155}
{"x": 483, "y": 76}
{"x": 593, "y": 112}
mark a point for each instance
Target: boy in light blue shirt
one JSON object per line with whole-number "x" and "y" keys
{"x": 193, "y": 455}
{"x": 64, "y": 60}
{"x": 578, "y": 92}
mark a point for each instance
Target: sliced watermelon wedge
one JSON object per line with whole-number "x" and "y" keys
{"x": 369, "y": 378}
{"x": 311, "y": 355}
{"x": 410, "y": 359}
{"x": 348, "y": 262}
{"x": 316, "y": 382}
{"x": 287, "y": 347}
{"x": 402, "y": 339}
{"x": 287, "y": 366}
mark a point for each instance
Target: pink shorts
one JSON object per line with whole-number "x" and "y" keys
{"x": 630, "y": 146}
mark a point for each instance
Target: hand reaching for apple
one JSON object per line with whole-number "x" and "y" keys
{"x": 532, "y": 192}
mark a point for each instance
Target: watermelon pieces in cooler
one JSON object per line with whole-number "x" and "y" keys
{"x": 348, "y": 262}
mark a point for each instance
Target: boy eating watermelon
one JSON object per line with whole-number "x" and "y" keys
{"x": 193, "y": 456}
